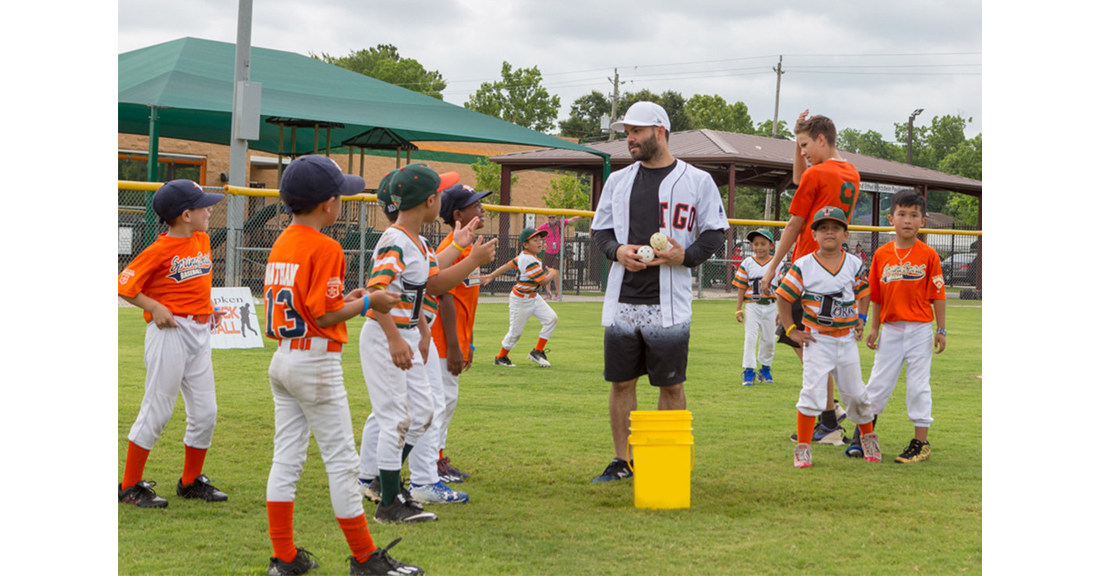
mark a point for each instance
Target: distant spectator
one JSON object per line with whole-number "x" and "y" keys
{"x": 554, "y": 228}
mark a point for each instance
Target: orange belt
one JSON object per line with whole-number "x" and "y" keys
{"x": 200, "y": 318}
{"x": 307, "y": 343}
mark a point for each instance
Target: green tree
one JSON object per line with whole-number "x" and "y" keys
{"x": 487, "y": 177}
{"x": 584, "y": 117}
{"x": 384, "y": 63}
{"x": 765, "y": 129}
{"x": 518, "y": 97}
{"x": 672, "y": 101}
{"x": 869, "y": 143}
{"x": 569, "y": 190}
{"x": 715, "y": 113}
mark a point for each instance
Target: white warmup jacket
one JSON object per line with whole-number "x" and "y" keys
{"x": 691, "y": 205}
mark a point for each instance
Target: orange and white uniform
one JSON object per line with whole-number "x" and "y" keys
{"x": 401, "y": 400}
{"x": 904, "y": 283}
{"x": 525, "y": 301}
{"x": 760, "y": 312}
{"x": 830, "y": 183}
{"x": 828, "y": 298}
{"x": 177, "y": 273}
{"x": 465, "y": 297}
{"x": 303, "y": 280}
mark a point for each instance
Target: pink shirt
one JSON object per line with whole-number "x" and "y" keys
{"x": 553, "y": 234}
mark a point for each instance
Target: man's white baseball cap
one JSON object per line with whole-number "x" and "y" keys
{"x": 643, "y": 114}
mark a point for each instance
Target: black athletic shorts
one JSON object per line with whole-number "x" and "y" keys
{"x": 636, "y": 345}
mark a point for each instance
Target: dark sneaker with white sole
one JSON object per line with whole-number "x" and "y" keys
{"x": 141, "y": 495}
{"x": 403, "y": 510}
{"x": 538, "y": 357}
{"x": 502, "y": 361}
{"x": 617, "y": 470}
{"x": 381, "y": 563}
{"x": 201, "y": 488}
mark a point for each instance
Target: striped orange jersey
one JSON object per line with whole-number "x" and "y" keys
{"x": 465, "y": 301}
{"x": 303, "y": 280}
{"x": 531, "y": 272}
{"x": 905, "y": 282}
{"x": 174, "y": 272}
{"x": 831, "y": 183}
{"x": 828, "y": 297}
{"x": 748, "y": 277}
{"x": 402, "y": 264}
{"x": 431, "y": 303}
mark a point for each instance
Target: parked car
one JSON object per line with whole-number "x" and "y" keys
{"x": 960, "y": 269}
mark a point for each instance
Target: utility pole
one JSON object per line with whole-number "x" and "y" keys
{"x": 614, "y": 104}
{"x": 768, "y": 196}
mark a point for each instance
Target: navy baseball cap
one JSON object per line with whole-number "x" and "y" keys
{"x": 829, "y": 213}
{"x": 175, "y": 196}
{"x": 458, "y": 197}
{"x": 313, "y": 179}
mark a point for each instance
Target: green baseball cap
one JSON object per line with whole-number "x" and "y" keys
{"x": 383, "y": 194}
{"x": 412, "y": 184}
{"x": 528, "y": 233}
{"x": 767, "y": 234}
{"x": 829, "y": 213}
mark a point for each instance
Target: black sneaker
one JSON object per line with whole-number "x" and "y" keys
{"x": 916, "y": 452}
{"x": 141, "y": 495}
{"x": 539, "y": 357}
{"x": 403, "y": 511}
{"x": 380, "y": 562}
{"x": 302, "y": 563}
{"x": 617, "y": 470}
{"x": 201, "y": 488}
{"x": 502, "y": 361}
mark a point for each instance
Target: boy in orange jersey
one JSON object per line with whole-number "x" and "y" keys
{"x": 823, "y": 178}
{"x": 306, "y": 310}
{"x": 525, "y": 301}
{"x": 170, "y": 280}
{"x": 461, "y": 209}
{"x": 396, "y": 378}
{"x": 907, "y": 294}
{"x": 832, "y": 293}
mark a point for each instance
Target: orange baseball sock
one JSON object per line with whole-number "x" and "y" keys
{"x": 502, "y": 353}
{"x": 358, "y": 536}
{"x": 867, "y": 428}
{"x": 806, "y": 428}
{"x": 540, "y": 344}
{"x": 280, "y": 526}
{"x": 193, "y": 459}
{"x": 136, "y": 456}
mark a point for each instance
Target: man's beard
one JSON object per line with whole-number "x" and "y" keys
{"x": 647, "y": 149}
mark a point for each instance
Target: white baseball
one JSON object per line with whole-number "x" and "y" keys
{"x": 658, "y": 241}
{"x": 645, "y": 253}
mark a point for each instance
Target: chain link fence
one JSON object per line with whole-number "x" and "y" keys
{"x": 583, "y": 269}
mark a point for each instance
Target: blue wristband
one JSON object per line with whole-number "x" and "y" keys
{"x": 471, "y": 347}
{"x": 366, "y": 306}
{"x": 863, "y": 317}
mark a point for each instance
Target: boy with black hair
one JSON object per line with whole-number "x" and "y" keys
{"x": 907, "y": 294}
{"x": 756, "y": 309}
{"x": 170, "y": 281}
{"x": 524, "y": 301}
{"x": 306, "y": 312}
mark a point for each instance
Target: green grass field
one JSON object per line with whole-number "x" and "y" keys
{"x": 534, "y": 437}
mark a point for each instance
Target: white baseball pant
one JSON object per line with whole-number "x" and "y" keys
{"x": 423, "y": 458}
{"x": 908, "y": 343}
{"x": 308, "y": 387}
{"x": 759, "y": 330}
{"x": 838, "y": 355}
{"x": 401, "y": 400}
{"x": 450, "y": 401}
{"x": 520, "y": 310}
{"x": 177, "y": 360}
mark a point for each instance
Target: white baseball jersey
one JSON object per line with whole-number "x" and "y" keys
{"x": 748, "y": 276}
{"x": 828, "y": 297}
{"x": 690, "y": 204}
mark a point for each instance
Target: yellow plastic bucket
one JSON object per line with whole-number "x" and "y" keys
{"x": 663, "y": 451}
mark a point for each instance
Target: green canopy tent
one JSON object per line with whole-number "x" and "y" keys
{"x": 189, "y": 84}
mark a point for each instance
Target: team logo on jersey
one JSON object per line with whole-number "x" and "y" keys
{"x": 904, "y": 271}
{"x": 938, "y": 281}
{"x": 190, "y": 267}
{"x": 126, "y": 275}
{"x": 333, "y": 287}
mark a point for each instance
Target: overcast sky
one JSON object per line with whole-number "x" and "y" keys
{"x": 867, "y": 64}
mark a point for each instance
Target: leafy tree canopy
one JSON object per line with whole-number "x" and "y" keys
{"x": 518, "y": 97}
{"x": 384, "y": 63}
